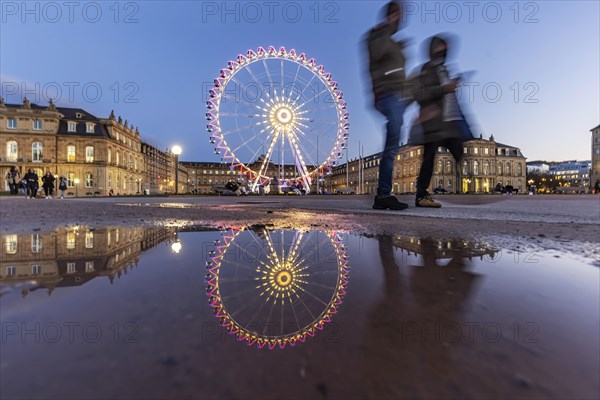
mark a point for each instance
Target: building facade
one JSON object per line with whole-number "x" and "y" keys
{"x": 575, "y": 174}
{"x": 595, "y": 169}
{"x": 97, "y": 156}
{"x": 485, "y": 164}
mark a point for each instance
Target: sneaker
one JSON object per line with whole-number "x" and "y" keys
{"x": 388, "y": 203}
{"x": 427, "y": 201}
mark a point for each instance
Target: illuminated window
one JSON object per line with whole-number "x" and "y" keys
{"x": 71, "y": 179}
{"x": 36, "y": 151}
{"x": 71, "y": 153}
{"x": 89, "y": 154}
{"x": 89, "y": 180}
{"x": 70, "y": 240}
{"x": 11, "y": 244}
{"x": 12, "y": 150}
{"x": 109, "y": 156}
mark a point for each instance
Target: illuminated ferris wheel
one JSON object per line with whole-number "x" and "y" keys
{"x": 275, "y": 288}
{"x": 276, "y": 114}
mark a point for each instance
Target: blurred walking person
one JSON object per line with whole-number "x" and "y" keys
{"x": 48, "y": 184}
{"x": 32, "y": 180}
{"x": 392, "y": 96}
{"x": 440, "y": 118}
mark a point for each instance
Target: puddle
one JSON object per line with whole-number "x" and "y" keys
{"x": 257, "y": 312}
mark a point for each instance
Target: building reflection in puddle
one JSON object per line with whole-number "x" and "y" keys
{"x": 274, "y": 288}
{"x": 74, "y": 255}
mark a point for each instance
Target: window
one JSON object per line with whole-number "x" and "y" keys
{"x": 36, "y": 243}
{"x": 519, "y": 169}
{"x": 11, "y": 271}
{"x": 70, "y": 240}
{"x": 71, "y": 153}
{"x": 36, "y": 151}
{"x": 135, "y": 164}
{"x": 89, "y": 154}
{"x": 89, "y": 240}
{"x": 412, "y": 153}
{"x": 448, "y": 167}
{"x": 71, "y": 179}
{"x": 36, "y": 269}
{"x": 439, "y": 166}
{"x": 508, "y": 169}
{"x": 476, "y": 150}
{"x": 89, "y": 266}
{"x": 72, "y": 126}
{"x": 475, "y": 167}
{"x": 12, "y": 150}
{"x": 37, "y": 125}
{"x": 89, "y": 127}
{"x": 418, "y": 152}
{"x": 465, "y": 168}
{"x": 89, "y": 180}
{"x": 486, "y": 168}
{"x": 125, "y": 183}
{"x": 118, "y": 157}
{"x": 118, "y": 181}
{"x": 11, "y": 244}
{"x": 499, "y": 168}
{"x": 109, "y": 156}
{"x": 486, "y": 151}
{"x": 129, "y": 163}
{"x": 71, "y": 268}
{"x": 465, "y": 150}
{"x": 11, "y": 123}
{"x": 110, "y": 181}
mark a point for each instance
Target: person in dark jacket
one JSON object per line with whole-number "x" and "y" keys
{"x": 62, "y": 186}
{"x": 392, "y": 96}
{"x": 48, "y": 184}
{"x": 32, "y": 183}
{"x": 440, "y": 118}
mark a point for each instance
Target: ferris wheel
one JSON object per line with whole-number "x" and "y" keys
{"x": 274, "y": 114}
{"x": 276, "y": 288}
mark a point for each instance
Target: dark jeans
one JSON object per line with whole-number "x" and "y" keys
{"x": 14, "y": 188}
{"x": 48, "y": 191}
{"x": 456, "y": 148}
{"x": 392, "y": 106}
{"x": 32, "y": 190}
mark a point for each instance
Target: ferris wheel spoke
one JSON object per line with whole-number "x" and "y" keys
{"x": 238, "y": 100}
{"x": 294, "y": 82}
{"x": 238, "y": 129}
{"x": 265, "y": 160}
{"x": 301, "y": 95}
{"x": 314, "y": 97}
{"x": 248, "y": 141}
{"x": 268, "y": 71}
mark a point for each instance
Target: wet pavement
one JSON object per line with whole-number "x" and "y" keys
{"x": 259, "y": 312}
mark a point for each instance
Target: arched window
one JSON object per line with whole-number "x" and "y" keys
{"x": 440, "y": 166}
{"x": 118, "y": 182}
{"x": 508, "y": 169}
{"x": 36, "y": 151}
{"x": 12, "y": 150}
{"x": 486, "y": 168}
{"x": 519, "y": 169}
{"x": 109, "y": 156}
{"x": 89, "y": 154}
{"x": 118, "y": 156}
{"x": 499, "y": 168}
{"x": 475, "y": 167}
{"x": 465, "y": 168}
{"x": 448, "y": 167}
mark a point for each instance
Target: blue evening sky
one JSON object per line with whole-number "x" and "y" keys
{"x": 154, "y": 62}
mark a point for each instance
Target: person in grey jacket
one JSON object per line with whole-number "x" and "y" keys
{"x": 392, "y": 96}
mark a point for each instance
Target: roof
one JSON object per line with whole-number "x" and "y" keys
{"x": 593, "y": 129}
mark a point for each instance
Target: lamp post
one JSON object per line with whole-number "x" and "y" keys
{"x": 177, "y": 151}
{"x": 76, "y": 181}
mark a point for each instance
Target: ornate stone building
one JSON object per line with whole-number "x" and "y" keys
{"x": 595, "y": 170}
{"x": 485, "y": 164}
{"x": 95, "y": 155}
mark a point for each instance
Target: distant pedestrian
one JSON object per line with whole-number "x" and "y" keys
{"x": 32, "y": 180}
{"x": 597, "y": 186}
{"x": 62, "y": 186}
{"x": 48, "y": 184}
{"x": 13, "y": 179}
{"x": 392, "y": 96}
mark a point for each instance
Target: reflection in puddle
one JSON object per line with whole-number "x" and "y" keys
{"x": 276, "y": 288}
{"x": 421, "y": 317}
{"x": 73, "y": 256}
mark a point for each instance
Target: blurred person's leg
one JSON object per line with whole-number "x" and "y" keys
{"x": 392, "y": 106}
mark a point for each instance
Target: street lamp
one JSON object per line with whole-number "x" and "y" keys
{"x": 177, "y": 151}
{"x": 76, "y": 181}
